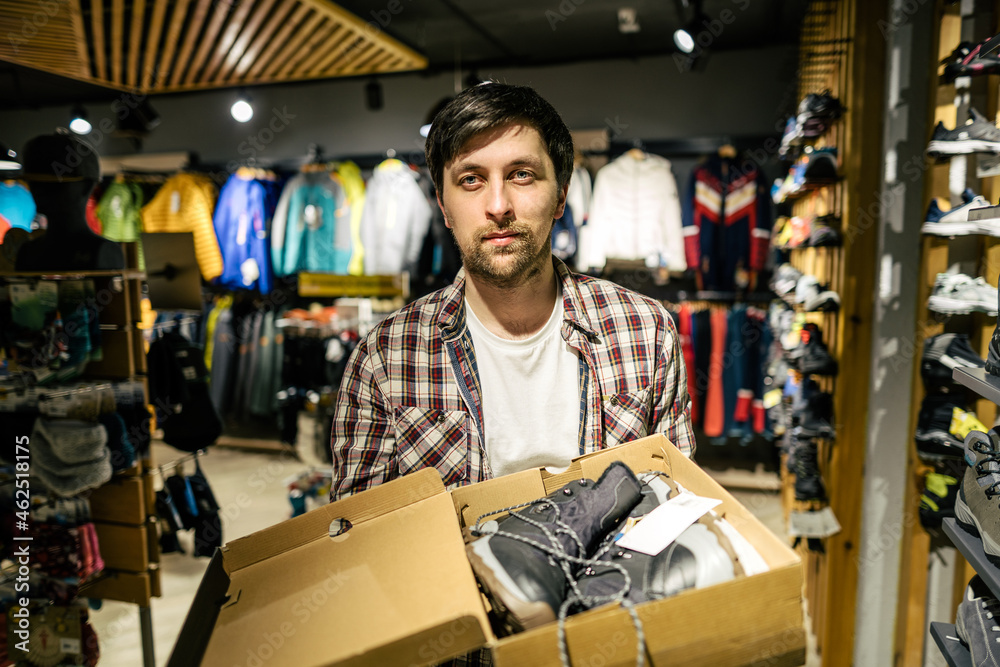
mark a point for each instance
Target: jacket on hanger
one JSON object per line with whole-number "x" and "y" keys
{"x": 241, "y": 221}
{"x": 120, "y": 213}
{"x": 395, "y": 219}
{"x": 727, "y": 221}
{"x": 635, "y": 214}
{"x": 185, "y": 204}
{"x": 311, "y": 226}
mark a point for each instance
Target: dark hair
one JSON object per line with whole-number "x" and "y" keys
{"x": 489, "y": 106}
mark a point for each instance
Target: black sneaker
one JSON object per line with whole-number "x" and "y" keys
{"x": 969, "y": 60}
{"x": 816, "y": 418}
{"x": 706, "y": 553}
{"x": 942, "y": 354}
{"x": 978, "y": 135}
{"x": 808, "y": 482}
{"x": 825, "y": 232}
{"x": 820, "y": 105}
{"x": 937, "y": 502}
{"x": 814, "y": 358}
{"x": 942, "y": 425}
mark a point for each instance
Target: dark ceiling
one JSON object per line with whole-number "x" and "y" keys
{"x": 475, "y": 34}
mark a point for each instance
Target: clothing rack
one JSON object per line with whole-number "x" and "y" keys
{"x": 174, "y": 323}
{"x": 163, "y": 467}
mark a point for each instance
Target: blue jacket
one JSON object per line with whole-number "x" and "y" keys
{"x": 241, "y": 220}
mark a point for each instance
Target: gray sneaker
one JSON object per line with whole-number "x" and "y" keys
{"x": 976, "y": 623}
{"x": 977, "y": 135}
{"x": 977, "y": 508}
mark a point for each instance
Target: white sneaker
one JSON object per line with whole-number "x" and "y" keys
{"x": 812, "y": 298}
{"x": 957, "y": 293}
{"x": 956, "y": 221}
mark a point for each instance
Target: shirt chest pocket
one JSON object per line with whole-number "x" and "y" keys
{"x": 626, "y": 416}
{"x": 432, "y": 439}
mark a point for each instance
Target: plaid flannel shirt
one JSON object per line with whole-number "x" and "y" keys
{"x": 411, "y": 397}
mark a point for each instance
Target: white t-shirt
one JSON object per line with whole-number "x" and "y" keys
{"x": 531, "y": 396}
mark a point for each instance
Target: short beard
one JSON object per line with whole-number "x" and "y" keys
{"x": 478, "y": 258}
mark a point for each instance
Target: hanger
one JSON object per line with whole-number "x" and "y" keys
{"x": 636, "y": 152}
{"x": 727, "y": 150}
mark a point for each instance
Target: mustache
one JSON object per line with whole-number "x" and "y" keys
{"x": 506, "y": 226}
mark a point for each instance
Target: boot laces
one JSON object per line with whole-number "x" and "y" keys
{"x": 991, "y": 456}
{"x": 557, "y": 553}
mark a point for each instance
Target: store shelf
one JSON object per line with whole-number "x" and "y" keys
{"x": 947, "y": 640}
{"x": 979, "y": 381}
{"x": 972, "y": 548}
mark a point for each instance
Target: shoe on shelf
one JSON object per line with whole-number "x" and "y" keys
{"x": 825, "y": 232}
{"x": 522, "y": 565}
{"x": 969, "y": 60}
{"x": 942, "y": 425}
{"x": 814, "y": 299}
{"x": 977, "y": 623}
{"x": 820, "y": 105}
{"x": 814, "y": 412}
{"x": 937, "y": 502}
{"x": 959, "y": 294}
{"x": 976, "y": 505}
{"x": 942, "y": 354}
{"x": 954, "y": 222}
{"x": 977, "y": 135}
{"x": 821, "y": 167}
{"x": 808, "y": 482}
{"x": 815, "y": 357}
{"x": 785, "y": 279}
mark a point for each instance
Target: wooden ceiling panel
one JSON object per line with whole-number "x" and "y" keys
{"x": 157, "y": 46}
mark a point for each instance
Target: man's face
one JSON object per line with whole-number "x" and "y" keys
{"x": 499, "y": 196}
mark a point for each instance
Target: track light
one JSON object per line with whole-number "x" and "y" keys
{"x": 8, "y": 159}
{"x": 241, "y": 110}
{"x": 78, "y": 120}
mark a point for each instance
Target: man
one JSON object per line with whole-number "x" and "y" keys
{"x": 519, "y": 363}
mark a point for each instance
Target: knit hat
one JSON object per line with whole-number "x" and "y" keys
{"x": 70, "y": 456}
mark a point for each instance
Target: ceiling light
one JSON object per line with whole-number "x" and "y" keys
{"x": 8, "y": 159}
{"x": 425, "y": 130}
{"x": 78, "y": 120}
{"x": 684, "y": 40}
{"x": 241, "y": 110}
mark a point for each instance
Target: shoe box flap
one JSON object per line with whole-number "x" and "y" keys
{"x": 394, "y": 588}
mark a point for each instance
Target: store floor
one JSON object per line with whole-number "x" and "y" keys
{"x": 251, "y": 488}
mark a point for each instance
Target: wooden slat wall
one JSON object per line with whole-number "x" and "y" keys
{"x": 839, "y": 43}
{"x": 156, "y": 46}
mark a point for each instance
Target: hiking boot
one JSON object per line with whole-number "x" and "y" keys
{"x": 816, "y": 419}
{"x": 937, "y": 502}
{"x": 942, "y": 425}
{"x": 977, "y": 135}
{"x": 977, "y": 508}
{"x": 977, "y": 623}
{"x": 708, "y": 552}
{"x": 524, "y": 562}
{"x": 825, "y": 232}
{"x": 942, "y": 354}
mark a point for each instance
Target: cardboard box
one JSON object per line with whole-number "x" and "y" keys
{"x": 396, "y": 588}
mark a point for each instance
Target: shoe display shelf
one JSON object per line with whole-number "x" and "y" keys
{"x": 947, "y": 641}
{"x": 923, "y": 594}
{"x": 123, "y": 509}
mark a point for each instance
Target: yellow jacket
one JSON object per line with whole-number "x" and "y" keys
{"x": 186, "y": 203}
